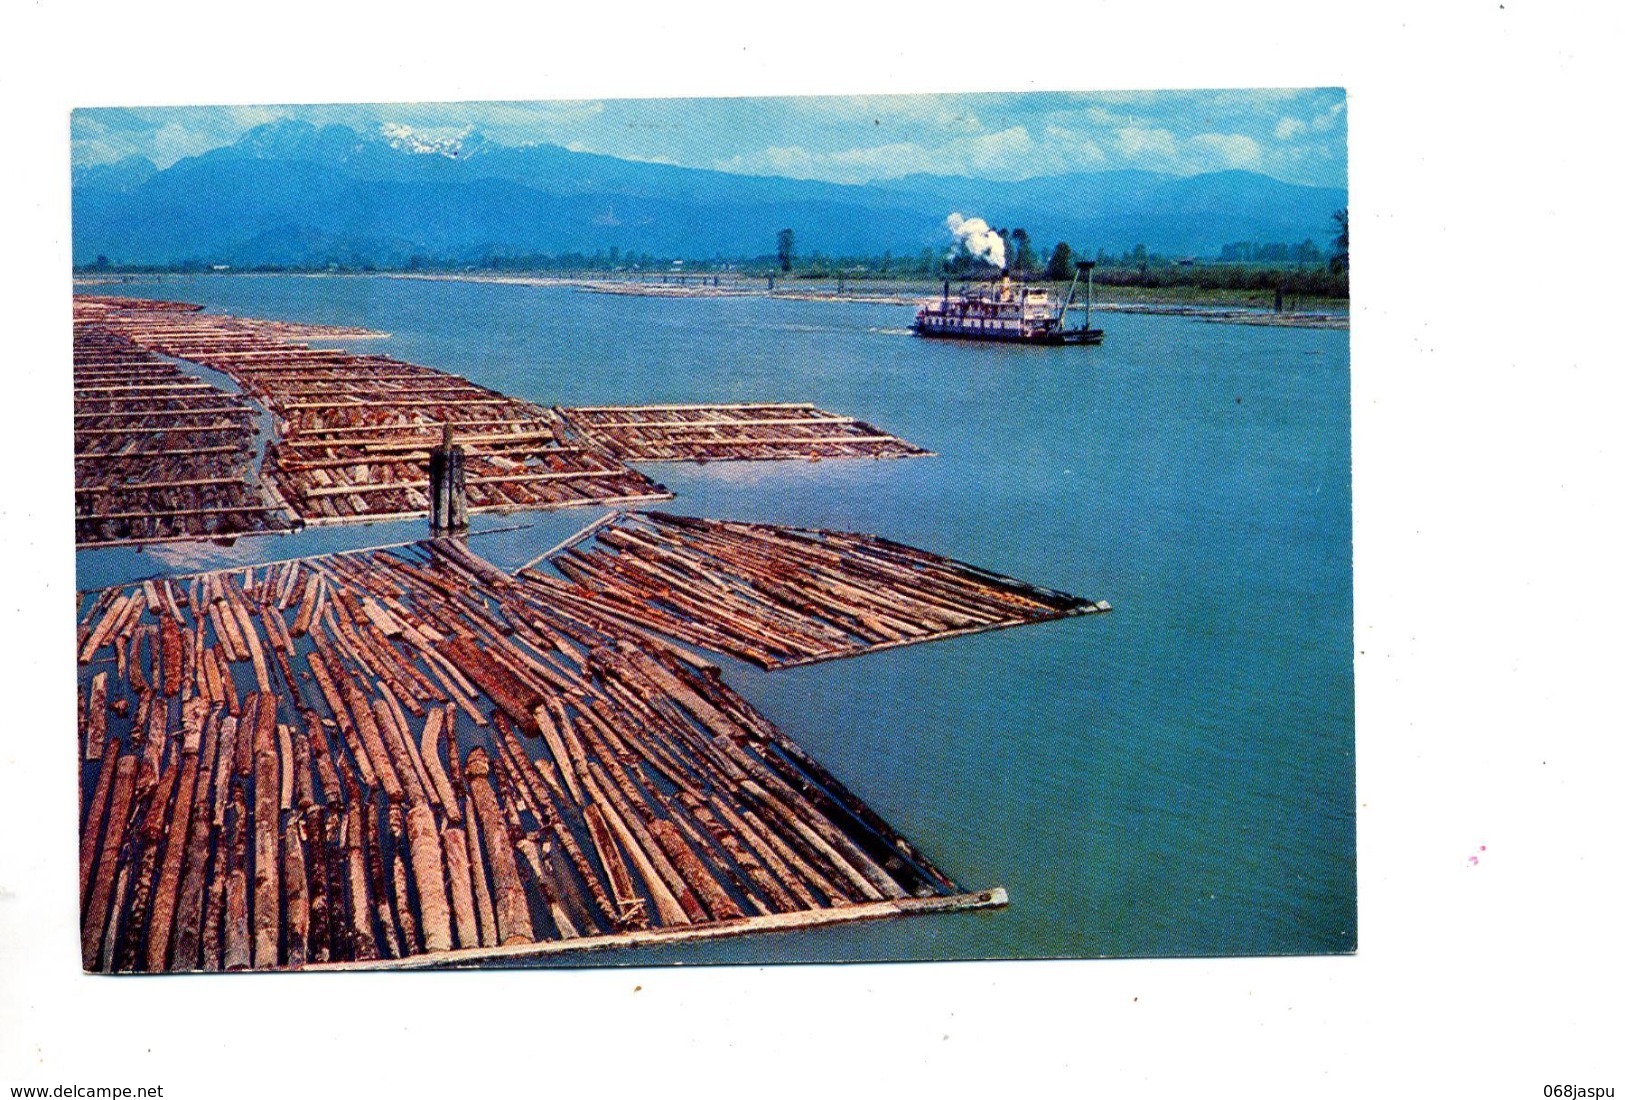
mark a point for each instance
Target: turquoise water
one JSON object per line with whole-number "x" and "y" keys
{"x": 1175, "y": 778}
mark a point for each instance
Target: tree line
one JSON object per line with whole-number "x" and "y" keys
{"x": 1302, "y": 268}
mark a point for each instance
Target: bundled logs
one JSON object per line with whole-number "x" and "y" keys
{"x": 158, "y": 454}
{"x": 353, "y": 432}
{"x": 689, "y": 433}
{"x": 402, "y": 756}
{"x": 780, "y": 596}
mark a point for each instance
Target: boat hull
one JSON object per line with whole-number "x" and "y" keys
{"x": 1052, "y": 339}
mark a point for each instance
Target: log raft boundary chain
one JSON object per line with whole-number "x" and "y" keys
{"x": 408, "y": 757}
{"x": 721, "y": 433}
{"x": 785, "y": 596}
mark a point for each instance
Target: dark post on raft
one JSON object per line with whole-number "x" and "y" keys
{"x": 448, "y": 488}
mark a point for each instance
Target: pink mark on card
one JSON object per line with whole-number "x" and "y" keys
{"x": 1472, "y": 861}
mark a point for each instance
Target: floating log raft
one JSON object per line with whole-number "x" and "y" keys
{"x": 319, "y": 805}
{"x": 710, "y": 433}
{"x": 158, "y": 455}
{"x": 353, "y": 431}
{"x": 782, "y": 596}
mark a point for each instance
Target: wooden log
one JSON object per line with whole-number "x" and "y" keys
{"x": 96, "y": 717}
{"x": 154, "y": 738}
{"x": 295, "y": 893}
{"x": 209, "y": 673}
{"x": 443, "y": 718}
{"x": 326, "y": 790}
{"x": 410, "y": 756}
{"x": 95, "y": 911}
{"x": 238, "y": 950}
{"x": 228, "y": 683}
{"x": 670, "y": 910}
{"x": 607, "y": 794}
{"x": 341, "y": 717}
{"x": 821, "y": 848}
{"x": 693, "y": 871}
{"x": 428, "y": 876}
{"x": 749, "y": 860}
{"x": 562, "y": 758}
{"x": 299, "y": 789}
{"x": 105, "y": 627}
{"x": 121, "y": 891}
{"x": 176, "y": 830}
{"x": 626, "y": 908}
{"x": 336, "y": 855}
{"x": 170, "y": 651}
{"x": 190, "y": 904}
{"x": 364, "y": 944}
{"x": 90, "y": 832}
{"x": 512, "y": 911}
{"x": 320, "y": 874}
{"x": 129, "y": 951}
{"x": 410, "y": 941}
{"x": 223, "y": 768}
{"x": 276, "y": 630}
{"x": 267, "y": 936}
{"x": 228, "y": 631}
{"x": 307, "y": 607}
{"x": 393, "y": 741}
{"x": 455, "y": 846}
{"x": 250, "y": 637}
{"x": 373, "y": 741}
{"x": 248, "y": 732}
{"x": 514, "y": 696}
{"x": 391, "y": 941}
{"x": 628, "y": 911}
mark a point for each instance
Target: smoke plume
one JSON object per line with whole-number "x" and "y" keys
{"x": 974, "y": 237}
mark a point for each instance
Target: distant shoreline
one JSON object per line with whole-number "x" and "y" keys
{"x": 1221, "y": 307}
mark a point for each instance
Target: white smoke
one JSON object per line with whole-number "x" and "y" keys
{"x": 976, "y": 239}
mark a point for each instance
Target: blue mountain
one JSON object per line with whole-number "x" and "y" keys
{"x": 297, "y": 194}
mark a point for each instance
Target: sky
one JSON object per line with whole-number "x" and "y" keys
{"x": 1296, "y": 135}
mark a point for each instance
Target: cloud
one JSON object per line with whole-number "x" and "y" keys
{"x": 1227, "y": 150}
{"x": 1289, "y": 128}
{"x": 1329, "y": 118}
{"x": 1078, "y": 150}
{"x": 842, "y": 139}
{"x": 1135, "y": 142}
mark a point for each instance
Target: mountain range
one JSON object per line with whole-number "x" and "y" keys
{"x": 293, "y": 193}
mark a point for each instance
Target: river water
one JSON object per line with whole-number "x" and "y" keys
{"x": 1174, "y": 778}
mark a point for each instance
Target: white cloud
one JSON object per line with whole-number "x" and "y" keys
{"x": 1289, "y": 128}
{"x": 1328, "y": 118}
{"x": 1227, "y": 150}
{"x": 1150, "y": 142}
{"x": 1009, "y": 154}
{"x": 1075, "y": 149}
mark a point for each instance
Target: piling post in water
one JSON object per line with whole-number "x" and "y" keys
{"x": 448, "y": 488}
{"x": 1089, "y": 295}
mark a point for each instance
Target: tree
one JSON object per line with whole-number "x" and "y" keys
{"x": 787, "y": 248}
{"x": 1024, "y": 261}
{"x": 1060, "y": 262}
{"x": 1340, "y": 243}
